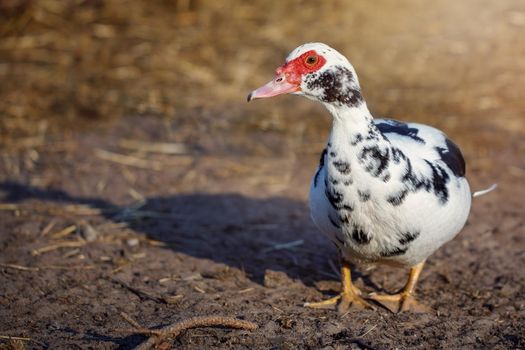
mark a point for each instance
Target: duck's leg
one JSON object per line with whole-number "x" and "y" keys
{"x": 404, "y": 300}
{"x": 350, "y": 295}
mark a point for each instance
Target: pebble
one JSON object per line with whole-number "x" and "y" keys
{"x": 132, "y": 242}
{"x": 88, "y": 233}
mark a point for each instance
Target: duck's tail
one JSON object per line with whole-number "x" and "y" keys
{"x": 485, "y": 191}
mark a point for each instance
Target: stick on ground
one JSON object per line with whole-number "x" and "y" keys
{"x": 140, "y": 293}
{"x": 174, "y": 330}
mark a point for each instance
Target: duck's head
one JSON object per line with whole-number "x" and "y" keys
{"x": 316, "y": 71}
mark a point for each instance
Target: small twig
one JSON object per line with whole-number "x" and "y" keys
{"x": 71, "y": 253}
{"x": 199, "y": 289}
{"x": 22, "y": 339}
{"x": 128, "y": 160}
{"x": 48, "y": 227}
{"x": 73, "y": 244}
{"x": 152, "y": 242}
{"x": 245, "y": 290}
{"x": 20, "y": 267}
{"x": 47, "y": 267}
{"x": 60, "y": 267}
{"x": 82, "y": 210}
{"x": 140, "y": 293}
{"x": 137, "y": 328}
{"x": 368, "y": 331}
{"x": 64, "y": 232}
{"x": 139, "y": 197}
{"x": 174, "y": 330}
{"x": 276, "y": 308}
{"x": 158, "y": 147}
{"x": 15, "y": 338}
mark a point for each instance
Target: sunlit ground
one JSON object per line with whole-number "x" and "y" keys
{"x": 88, "y": 89}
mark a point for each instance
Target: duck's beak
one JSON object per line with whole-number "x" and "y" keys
{"x": 278, "y": 86}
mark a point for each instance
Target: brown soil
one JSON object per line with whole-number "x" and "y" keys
{"x": 96, "y": 220}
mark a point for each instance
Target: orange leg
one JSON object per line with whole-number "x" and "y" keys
{"x": 404, "y": 300}
{"x": 350, "y": 295}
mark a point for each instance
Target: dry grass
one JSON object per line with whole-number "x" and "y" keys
{"x": 71, "y": 61}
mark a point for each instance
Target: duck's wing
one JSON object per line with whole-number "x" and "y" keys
{"x": 423, "y": 141}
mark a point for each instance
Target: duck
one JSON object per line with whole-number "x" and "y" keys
{"x": 385, "y": 191}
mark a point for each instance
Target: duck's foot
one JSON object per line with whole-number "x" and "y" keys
{"x": 345, "y": 301}
{"x": 400, "y": 302}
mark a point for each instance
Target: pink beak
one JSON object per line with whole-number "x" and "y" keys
{"x": 278, "y": 86}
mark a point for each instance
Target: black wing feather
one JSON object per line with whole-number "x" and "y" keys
{"x": 452, "y": 157}
{"x": 449, "y": 152}
{"x": 396, "y": 127}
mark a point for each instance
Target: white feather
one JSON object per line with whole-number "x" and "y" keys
{"x": 485, "y": 191}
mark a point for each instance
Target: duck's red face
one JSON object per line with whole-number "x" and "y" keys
{"x": 288, "y": 77}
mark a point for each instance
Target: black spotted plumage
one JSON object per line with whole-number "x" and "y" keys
{"x": 375, "y": 158}
{"x": 393, "y": 126}
{"x": 360, "y": 236}
{"x": 395, "y": 251}
{"x": 334, "y": 197}
{"x": 452, "y": 157}
{"x": 342, "y": 166}
{"x": 337, "y": 86}
{"x": 409, "y": 236}
{"x": 363, "y": 195}
{"x": 393, "y": 191}
{"x": 398, "y": 197}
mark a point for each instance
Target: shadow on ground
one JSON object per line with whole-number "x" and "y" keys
{"x": 241, "y": 232}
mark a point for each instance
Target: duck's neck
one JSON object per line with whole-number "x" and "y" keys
{"x": 353, "y": 123}
{"x": 356, "y": 140}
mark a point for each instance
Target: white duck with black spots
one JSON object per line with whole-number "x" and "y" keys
{"x": 385, "y": 191}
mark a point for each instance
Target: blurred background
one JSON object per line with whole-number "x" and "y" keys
{"x": 77, "y": 64}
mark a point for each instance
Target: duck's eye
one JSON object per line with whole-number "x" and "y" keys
{"x": 311, "y": 60}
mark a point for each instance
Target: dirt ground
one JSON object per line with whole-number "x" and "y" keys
{"x": 135, "y": 178}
